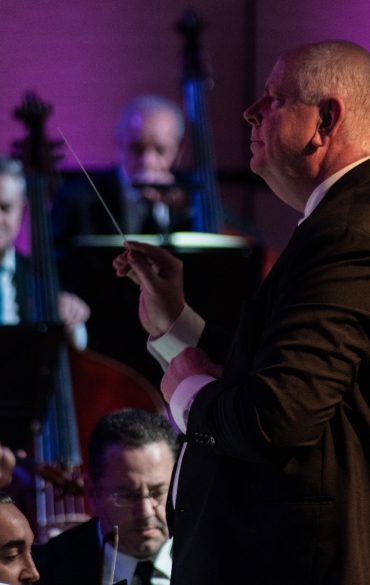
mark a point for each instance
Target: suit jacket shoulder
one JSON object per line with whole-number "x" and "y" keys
{"x": 285, "y": 477}
{"x": 73, "y": 557}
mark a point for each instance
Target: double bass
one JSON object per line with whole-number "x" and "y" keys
{"x": 209, "y": 214}
{"x": 206, "y": 201}
{"x": 56, "y": 440}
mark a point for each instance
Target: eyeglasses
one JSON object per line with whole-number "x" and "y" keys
{"x": 130, "y": 499}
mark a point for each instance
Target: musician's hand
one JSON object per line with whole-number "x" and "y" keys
{"x": 7, "y": 464}
{"x": 72, "y": 310}
{"x": 159, "y": 275}
{"x": 192, "y": 361}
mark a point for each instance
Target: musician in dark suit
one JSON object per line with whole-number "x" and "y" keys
{"x": 149, "y": 136}
{"x": 16, "y": 270}
{"x": 131, "y": 455}
{"x": 273, "y": 482}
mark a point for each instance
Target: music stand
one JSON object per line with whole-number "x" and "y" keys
{"x": 28, "y": 358}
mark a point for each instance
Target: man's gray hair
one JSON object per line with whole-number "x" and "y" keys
{"x": 147, "y": 102}
{"x": 336, "y": 67}
{"x": 14, "y": 168}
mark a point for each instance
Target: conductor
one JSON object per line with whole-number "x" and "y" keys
{"x": 273, "y": 481}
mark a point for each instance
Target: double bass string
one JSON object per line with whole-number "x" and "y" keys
{"x": 93, "y": 186}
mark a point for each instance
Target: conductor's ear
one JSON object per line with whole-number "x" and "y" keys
{"x": 331, "y": 116}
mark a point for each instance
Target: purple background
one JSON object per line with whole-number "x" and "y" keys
{"x": 88, "y": 58}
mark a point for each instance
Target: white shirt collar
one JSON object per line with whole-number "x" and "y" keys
{"x": 126, "y": 565}
{"x": 163, "y": 560}
{"x": 319, "y": 193}
{"x": 8, "y": 262}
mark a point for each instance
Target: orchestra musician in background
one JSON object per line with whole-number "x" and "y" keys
{"x": 16, "y": 538}
{"x": 148, "y": 141}
{"x": 15, "y": 269}
{"x": 131, "y": 456}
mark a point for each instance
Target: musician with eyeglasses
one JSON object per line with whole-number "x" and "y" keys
{"x": 131, "y": 456}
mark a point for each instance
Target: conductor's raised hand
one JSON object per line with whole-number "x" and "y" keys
{"x": 159, "y": 275}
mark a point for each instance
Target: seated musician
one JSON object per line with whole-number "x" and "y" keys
{"x": 149, "y": 139}
{"x": 16, "y": 563}
{"x": 149, "y": 136}
{"x": 15, "y": 269}
{"x": 131, "y": 456}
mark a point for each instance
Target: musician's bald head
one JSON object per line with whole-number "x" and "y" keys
{"x": 16, "y": 538}
{"x": 150, "y": 103}
{"x": 131, "y": 456}
{"x": 149, "y": 134}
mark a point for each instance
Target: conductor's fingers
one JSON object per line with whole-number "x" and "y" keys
{"x": 145, "y": 269}
{"x": 155, "y": 253}
{"x": 121, "y": 264}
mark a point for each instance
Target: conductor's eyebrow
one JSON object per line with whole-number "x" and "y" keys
{"x": 13, "y": 544}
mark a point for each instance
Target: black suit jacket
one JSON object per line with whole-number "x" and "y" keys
{"x": 72, "y": 558}
{"x": 275, "y": 482}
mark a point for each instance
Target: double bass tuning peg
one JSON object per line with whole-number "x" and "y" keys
{"x": 36, "y": 151}
{"x": 32, "y": 108}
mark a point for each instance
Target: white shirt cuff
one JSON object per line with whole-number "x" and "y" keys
{"x": 79, "y": 335}
{"x": 185, "y": 332}
{"x": 184, "y": 396}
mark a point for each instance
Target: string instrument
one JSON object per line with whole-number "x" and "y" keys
{"x": 206, "y": 201}
{"x": 56, "y": 441}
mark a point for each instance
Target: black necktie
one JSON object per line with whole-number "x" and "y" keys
{"x": 144, "y": 571}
